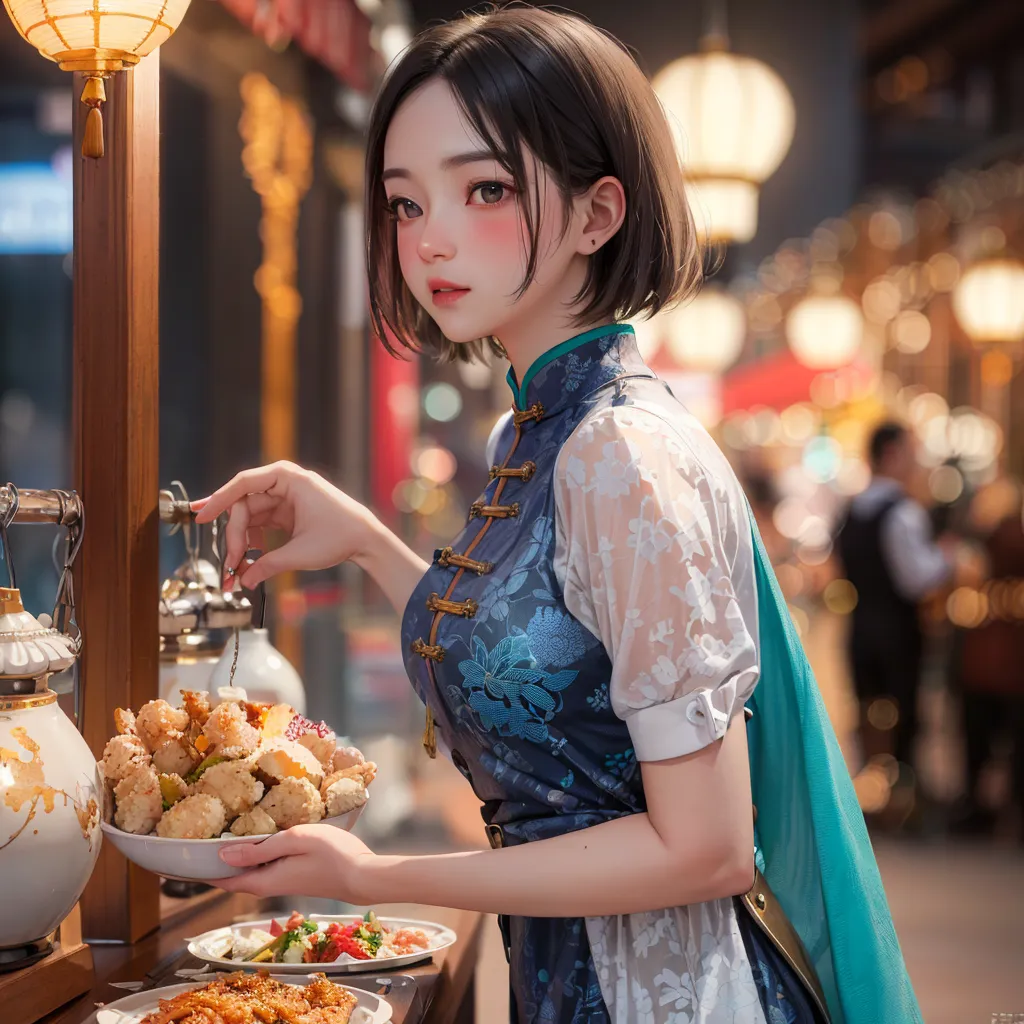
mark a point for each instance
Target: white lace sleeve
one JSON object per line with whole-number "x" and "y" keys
{"x": 653, "y": 546}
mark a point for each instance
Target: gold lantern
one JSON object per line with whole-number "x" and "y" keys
{"x": 825, "y": 331}
{"x": 704, "y": 336}
{"x": 97, "y": 37}
{"x": 707, "y": 334}
{"x": 733, "y": 118}
{"x": 988, "y": 301}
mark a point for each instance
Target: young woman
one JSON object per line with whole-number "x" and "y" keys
{"x": 587, "y": 645}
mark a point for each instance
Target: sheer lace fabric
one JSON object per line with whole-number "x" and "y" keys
{"x": 654, "y": 554}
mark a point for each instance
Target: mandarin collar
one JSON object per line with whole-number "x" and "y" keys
{"x": 566, "y": 374}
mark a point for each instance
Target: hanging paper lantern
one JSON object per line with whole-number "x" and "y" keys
{"x": 734, "y": 118}
{"x": 825, "y": 331}
{"x": 98, "y": 37}
{"x": 988, "y": 301}
{"x": 707, "y": 334}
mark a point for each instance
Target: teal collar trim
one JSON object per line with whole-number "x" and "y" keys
{"x": 519, "y": 390}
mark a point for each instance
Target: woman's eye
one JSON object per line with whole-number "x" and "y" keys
{"x": 403, "y": 209}
{"x": 489, "y": 193}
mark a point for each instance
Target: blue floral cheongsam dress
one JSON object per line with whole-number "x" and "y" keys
{"x": 599, "y": 609}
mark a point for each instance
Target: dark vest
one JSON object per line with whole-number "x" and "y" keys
{"x": 882, "y": 617}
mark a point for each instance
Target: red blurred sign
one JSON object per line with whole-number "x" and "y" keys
{"x": 334, "y": 32}
{"x": 394, "y": 422}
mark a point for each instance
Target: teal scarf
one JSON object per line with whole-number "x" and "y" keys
{"x": 812, "y": 844}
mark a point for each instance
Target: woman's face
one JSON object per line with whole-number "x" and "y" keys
{"x": 461, "y": 235}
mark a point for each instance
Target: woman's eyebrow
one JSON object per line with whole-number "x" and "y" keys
{"x": 447, "y": 164}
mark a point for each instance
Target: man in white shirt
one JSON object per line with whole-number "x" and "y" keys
{"x": 888, "y": 554}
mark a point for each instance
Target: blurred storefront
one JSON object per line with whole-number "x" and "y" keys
{"x": 262, "y": 325}
{"x": 906, "y": 302}
{"x": 870, "y": 266}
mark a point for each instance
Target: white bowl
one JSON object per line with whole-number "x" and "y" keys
{"x": 370, "y": 1007}
{"x": 194, "y": 860}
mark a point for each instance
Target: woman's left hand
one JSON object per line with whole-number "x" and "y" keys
{"x": 307, "y": 860}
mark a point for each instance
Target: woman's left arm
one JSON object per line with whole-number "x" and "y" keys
{"x": 694, "y": 844}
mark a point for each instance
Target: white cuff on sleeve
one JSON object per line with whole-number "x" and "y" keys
{"x": 688, "y": 723}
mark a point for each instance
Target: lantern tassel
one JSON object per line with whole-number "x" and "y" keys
{"x": 94, "y": 95}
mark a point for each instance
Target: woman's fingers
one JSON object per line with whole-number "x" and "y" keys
{"x": 236, "y": 536}
{"x": 244, "y": 484}
{"x": 257, "y": 537}
{"x": 272, "y": 879}
{"x": 247, "y": 855}
{"x": 267, "y": 565}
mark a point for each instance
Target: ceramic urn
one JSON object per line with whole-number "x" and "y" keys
{"x": 51, "y": 794}
{"x": 261, "y": 670}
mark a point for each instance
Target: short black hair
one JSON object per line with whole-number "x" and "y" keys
{"x": 885, "y": 437}
{"x": 577, "y": 100}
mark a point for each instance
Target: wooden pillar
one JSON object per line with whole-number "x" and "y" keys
{"x": 116, "y": 419}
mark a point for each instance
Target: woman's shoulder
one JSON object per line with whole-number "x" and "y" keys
{"x": 649, "y": 425}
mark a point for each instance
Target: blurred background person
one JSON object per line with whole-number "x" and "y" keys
{"x": 988, "y": 671}
{"x": 888, "y": 553}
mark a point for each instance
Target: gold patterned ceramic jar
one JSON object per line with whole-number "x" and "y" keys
{"x": 51, "y": 794}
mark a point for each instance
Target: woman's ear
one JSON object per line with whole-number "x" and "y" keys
{"x": 602, "y": 208}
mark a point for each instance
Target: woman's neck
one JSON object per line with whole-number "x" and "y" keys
{"x": 548, "y": 323}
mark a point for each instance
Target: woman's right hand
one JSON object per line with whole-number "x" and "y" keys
{"x": 324, "y": 525}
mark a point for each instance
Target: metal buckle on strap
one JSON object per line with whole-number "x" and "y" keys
{"x": 495, "y": 836}
{"x": 767, "y": 913}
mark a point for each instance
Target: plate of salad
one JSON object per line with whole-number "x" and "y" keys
{"x": 332, "y": 943}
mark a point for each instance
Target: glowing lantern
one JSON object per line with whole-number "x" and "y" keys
{"x": 707, "y": 334}
{"x": 988, "y": 300}
{"x": 97, "y": 37}
{"x": 733, "y": 118}
{"x": 825, "y": 331}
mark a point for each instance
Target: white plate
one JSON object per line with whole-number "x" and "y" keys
{"x": 132, "y": 1009}
{"x": 194, "y": 860}
{"x": 208, "y": 946}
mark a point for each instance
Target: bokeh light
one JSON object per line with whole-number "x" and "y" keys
{"x": 435, "y": 464}
{"x": 442, "y": 402}
{"x": 911, "y": 332}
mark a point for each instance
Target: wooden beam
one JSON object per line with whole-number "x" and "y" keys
{"x": 116, "y": 418}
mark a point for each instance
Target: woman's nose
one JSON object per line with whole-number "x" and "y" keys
{"x": 435, "y": 243}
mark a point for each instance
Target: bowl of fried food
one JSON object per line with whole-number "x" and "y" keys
{"x": 248, "y": 998}
{"x": 184, "y": 782}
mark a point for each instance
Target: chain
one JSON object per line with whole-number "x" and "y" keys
{"x": 234, "y": 660}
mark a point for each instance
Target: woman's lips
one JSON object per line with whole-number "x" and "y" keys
{"x": 449, "y": 298}
{"x": 446, "y": 293}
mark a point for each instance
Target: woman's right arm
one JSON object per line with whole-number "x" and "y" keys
{"x": 324, "y": 527}
{"x": 394, "y": 566}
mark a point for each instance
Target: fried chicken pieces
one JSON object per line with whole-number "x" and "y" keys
{"x": 243, "y": 998}
{"x": 195, "y": 771}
